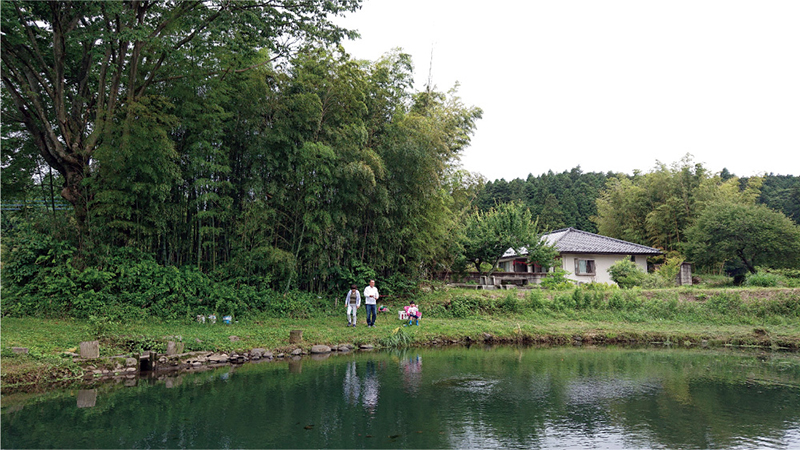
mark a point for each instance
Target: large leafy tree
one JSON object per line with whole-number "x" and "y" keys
{"x": 752, "y": 235}
{"x": 656, "y": 208}
{"x": 77, "y": 70}
{"x": 486, "y": 235}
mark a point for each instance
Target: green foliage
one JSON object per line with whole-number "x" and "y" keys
{"x": 536, "y": 299}
{"x": 564, "y": 301}
{"x": 134, "y": 172}
{"x": 658, "y": 207}
{"x": 466, "y": 306}
{"x": 544, "y": 255}
{"x": 626, "y": 274}
{"x": 357, "y": 273}
{"x": 782, "y": 193}
{"x": 511, "y": 303}
{"x": 788, "y": 277}
{"x": 670, "y": 270}
{"x": 752, "y": 235}
{"x": 398, "y": 339}
{"x": 399, "y": 285}
{"x": 764, "y": 279}
{"x": 665, "y": 275}
{"x": 560, "y": 200}
{"x": 628, "y": 300}
{"x": 125, "y": 284}
{"x": 725, "y": 303}
{"x": 487, "y": 235}
{"x": 557, "y": 280}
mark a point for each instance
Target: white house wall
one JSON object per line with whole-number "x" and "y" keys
{"x": 602, "y": 264}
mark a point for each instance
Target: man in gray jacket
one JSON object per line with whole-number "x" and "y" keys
{"x": 353, "y": 302}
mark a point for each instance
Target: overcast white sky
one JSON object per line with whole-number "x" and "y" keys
{"x": 608, "y": 85}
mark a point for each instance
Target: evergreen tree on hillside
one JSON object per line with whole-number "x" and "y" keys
{"x": 559, "y": 200}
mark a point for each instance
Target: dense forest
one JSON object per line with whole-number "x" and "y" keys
{"x": 568, "y": 199}
{"x": 663, "y": 208}
{"x": 186, "y": 156}
{"x": 232, "y": 141}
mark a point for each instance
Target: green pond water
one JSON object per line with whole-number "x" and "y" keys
{"x": 478, "y": 397}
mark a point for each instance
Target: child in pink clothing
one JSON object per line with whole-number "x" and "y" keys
{"x": 413, "y": 313}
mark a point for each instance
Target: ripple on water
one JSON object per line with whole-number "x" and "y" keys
{"x": 471, "y": 384}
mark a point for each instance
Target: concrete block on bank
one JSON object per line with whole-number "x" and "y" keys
{"x": 90, "y": 349}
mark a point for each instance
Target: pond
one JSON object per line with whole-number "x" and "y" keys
{"x": 478, "y": 397}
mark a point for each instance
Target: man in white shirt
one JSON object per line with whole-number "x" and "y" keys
{"x": 371, "y": 301}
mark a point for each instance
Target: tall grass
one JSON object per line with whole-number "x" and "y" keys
{"x": 627, "y": 305}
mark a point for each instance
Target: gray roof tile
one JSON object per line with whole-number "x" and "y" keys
{"x": 571, "y": 240}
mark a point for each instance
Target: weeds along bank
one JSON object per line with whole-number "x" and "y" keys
{"x": 40, "y": 278}
{"x": 744, "y": 306}
{"x": 764, "y": 317}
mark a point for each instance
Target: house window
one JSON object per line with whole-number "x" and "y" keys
{"x": 584, "y": 267}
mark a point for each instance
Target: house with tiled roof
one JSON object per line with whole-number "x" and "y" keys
{"x": 586, "y": 256}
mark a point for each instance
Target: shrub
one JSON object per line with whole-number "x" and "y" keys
{"x": 464, "y": 306}
{"x": 725, "y": 303}
{"x": 764, "y": 279}
{"x": 511, "y": 303}
{"x": 669, "y": 271}
{"x": 654, "y": 281}
{"x": 557, "y": 280}
{"x": 39, "y": 278}
{"x": 626, "y": 274}
{"x": 564, "y": 302}
{"x": 536, "y": 299}
{"x": 624, "y": 300}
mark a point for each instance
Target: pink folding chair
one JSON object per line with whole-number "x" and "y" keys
{"x": 404, "y": 314}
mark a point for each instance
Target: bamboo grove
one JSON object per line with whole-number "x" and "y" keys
{"x": 235, "y": 137}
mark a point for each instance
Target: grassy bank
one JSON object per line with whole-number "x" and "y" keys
{"x": 763, "y": 317}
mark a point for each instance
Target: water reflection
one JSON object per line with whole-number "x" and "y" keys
{"x": 412, "y": 373}
{"x": 364, "y": 390}
{"x": 87, "y": 398}
{"x": 352, "y": 386}
{"x": 371, "y": 388}
{"x": 465, "y": 398}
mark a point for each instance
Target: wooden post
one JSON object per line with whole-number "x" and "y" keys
{"x": 90, "y": 349}
{"x": 153, "y": 360}
{"x": 295, "y": 336}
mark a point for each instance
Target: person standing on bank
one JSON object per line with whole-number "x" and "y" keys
{"x": 371, "y": 301}
{"x": 353, "y": 302}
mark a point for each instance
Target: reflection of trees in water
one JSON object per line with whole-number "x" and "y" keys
{"x": 664, "y": 398}
{"x": 468, "y": 398}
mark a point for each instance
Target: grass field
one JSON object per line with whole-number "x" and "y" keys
{"x": 763, "y": 317}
